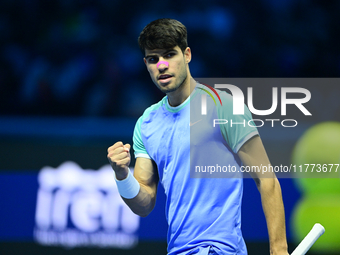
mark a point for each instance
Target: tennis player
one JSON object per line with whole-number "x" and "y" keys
{"x": 203, "y": 214}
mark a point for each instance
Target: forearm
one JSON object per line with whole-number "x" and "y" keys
{"x": 143, "y": 203}
{"x": 273, "y": 208}
{"x": 252, "y": 153}
{"x": 139, "y": 197}
{"x": 139, "y": 189}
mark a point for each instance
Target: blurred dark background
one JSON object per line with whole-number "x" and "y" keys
{"x": 73, "y": 82}
{"x": 81, "y": 58}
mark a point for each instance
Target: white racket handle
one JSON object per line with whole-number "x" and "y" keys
{"x": 309, "y": 240}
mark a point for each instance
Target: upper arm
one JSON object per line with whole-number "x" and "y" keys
{"x": 240, "y": 127}
{"x": 146, "y": 174}
{"x": 253, "y": 153}
{"x": 145, "y": 170}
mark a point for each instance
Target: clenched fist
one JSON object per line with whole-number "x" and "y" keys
{"x": 119, "y": 158}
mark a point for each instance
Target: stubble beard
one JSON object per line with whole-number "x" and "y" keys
{"x": 181, "y": 79}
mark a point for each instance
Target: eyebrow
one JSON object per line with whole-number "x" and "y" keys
{"x": 155, "y": 55}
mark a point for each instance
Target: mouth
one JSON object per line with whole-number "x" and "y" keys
{"x": 164, "y": 78}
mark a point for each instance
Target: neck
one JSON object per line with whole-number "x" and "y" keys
{"x": 178, "y": 96}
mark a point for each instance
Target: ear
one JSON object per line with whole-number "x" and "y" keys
{"x": 187, "y": 55}
{"x": 146, "y": 64}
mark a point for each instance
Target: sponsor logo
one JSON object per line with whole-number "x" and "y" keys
{"x": 77, "y": 207}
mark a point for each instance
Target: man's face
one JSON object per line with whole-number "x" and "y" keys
{"x": 171, "y": 77}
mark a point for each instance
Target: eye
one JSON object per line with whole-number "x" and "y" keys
{"x": 153, "y": 60}
{"x": 170, "y": 55}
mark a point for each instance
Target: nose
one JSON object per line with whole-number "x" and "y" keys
{"x": 162, "y": 64}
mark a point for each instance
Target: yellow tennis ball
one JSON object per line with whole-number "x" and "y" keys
{"x": 318, "y": 154}
{"x": 323, "y": 209}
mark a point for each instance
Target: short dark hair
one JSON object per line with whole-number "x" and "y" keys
{"x": 163, "y": 34}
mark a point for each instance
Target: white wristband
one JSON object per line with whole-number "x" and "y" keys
{"x": 129, "y": 187}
